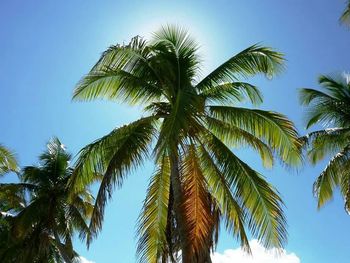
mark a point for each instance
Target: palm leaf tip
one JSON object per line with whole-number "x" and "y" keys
{"x": 345, "y": 17}
{"x": 254, "y": 60}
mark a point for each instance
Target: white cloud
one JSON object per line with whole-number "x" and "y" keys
{"x": 84, "y": 260}
{"x": 260, "y": 255}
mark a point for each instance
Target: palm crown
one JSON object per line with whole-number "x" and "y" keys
{"x": 41, "y": 229}
{"x": 188, "y": 128}
{"x": 330, "y": 108}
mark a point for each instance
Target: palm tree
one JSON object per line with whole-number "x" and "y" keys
{"x": 42, "y": 230}
{"x": 9, "y": 199}
{"x": 329, "y": 108}
{"x": 188, "y": 129}
{"x": 8, "y": 161}
{"x": 345, "y": 18}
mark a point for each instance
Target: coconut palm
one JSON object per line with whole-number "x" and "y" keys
{"x": 8, "y": 161}
{"x": 329, "y": 108}
{"x": 345, "y": 18}
{"x": 188, "y": 127}
{"x": 42, "y": 230}
{"x": 9, "y": 199}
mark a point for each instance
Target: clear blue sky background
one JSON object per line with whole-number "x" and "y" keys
{"x": 47, "y": 46}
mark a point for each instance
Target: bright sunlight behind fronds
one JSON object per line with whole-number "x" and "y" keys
{"x": 174, "y": 131}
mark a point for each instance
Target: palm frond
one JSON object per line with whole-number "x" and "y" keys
{"x": 176, "y": 61}
{"x": 231, "y": 209}
{"x": 233, "y": 92}
{"x": 273, "y": 128}
{"x": 345, "y": 187}
{"x": 251, "y": 61}
{"x": 196, "y": 206}
{"x": 153, "y": 221}
{"x": 265, "y": 216}
{"x": 114, "y": 155}
{"x": 331, "y": 176}
{"x": 345, "y": 17}
{"x": 115, "y": 84}
{"x": 12, "y": 196}
{"x": 237, "y": 137}
{"x": 125, "y": 55}
{"x": 306, "y": 96}
{"x": 176, "y": 38}
{"x": 325, "y": 142}
{"x": 329, "y": 107}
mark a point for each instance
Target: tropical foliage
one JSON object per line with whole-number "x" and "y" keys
{"x": 8, "y": 161}
{"x": 188, "y": 129}
{"x": 345, "y": 18}
{"x": 38, "y": 216}
{"x": 330, "y": 108}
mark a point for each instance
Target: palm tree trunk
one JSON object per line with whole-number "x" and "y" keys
{"x": 207, "y": 258}
{"x": 177, "y": 193}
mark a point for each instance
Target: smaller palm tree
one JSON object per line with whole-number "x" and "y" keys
{"x": 8, "y": 161}
{"x": 331, "y": 109}
{"x": 10, "y": 198}
{"x": 42, "y": 231}
{"x": 345, "y": 18}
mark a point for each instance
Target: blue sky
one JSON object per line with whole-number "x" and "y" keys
{"x": 47, "y": 46}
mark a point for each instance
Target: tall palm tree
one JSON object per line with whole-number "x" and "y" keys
{"x": 42, "y": 230}
{"x": 8, "y": 161}
{"x": 330, "y": 108}
{"x": 345, "y": 18}
{"x": 188, "y": 129}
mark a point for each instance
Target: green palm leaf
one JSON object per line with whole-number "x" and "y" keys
{"x": 114, "y": 155}
{"x": 196, "y": 206}
{"x": 264, "y": 206}
{"x": 273, "y": 128}
{"x": 153, "y": 221}
{"x": 236, "y": 137}
{"x": 233, "y": 212}
{"x": 331, "y": 176}
{"x": 8, "y": 161}
{"x": 116, "y": 84}
{"x": 345, "y": 17}
{"x": 329, "y": 108}
{"x": 233, "y": 92}
{"x": 326, "y": 142}
{"x": 251, "y": 61}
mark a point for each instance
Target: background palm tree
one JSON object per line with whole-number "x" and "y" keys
{"x": 188, "y": 127}
{"x": 42, "y": 230}
{"x": 345, "y": 18}
{"x": 9, "y": 199}
{"x": 330, "y": 108}
{"x": 8, "y": 161}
